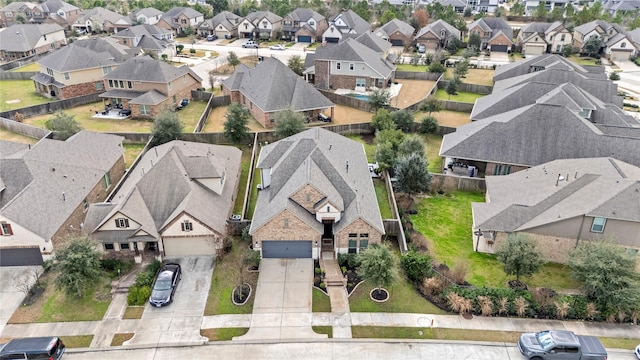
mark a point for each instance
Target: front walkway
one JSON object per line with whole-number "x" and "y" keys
{"x": 340, "y": 312}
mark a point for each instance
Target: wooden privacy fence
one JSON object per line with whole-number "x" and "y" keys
{"x": 472, "y": 88}
{"x": 415, "y": 75}
{"x": 23, "y": 129}
{"x": 17, "y": 75}
{"x": 51, "y": 107}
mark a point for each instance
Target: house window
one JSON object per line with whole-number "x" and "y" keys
{"x": 308, "y": 197}
{"x": 562, "y": 37}
{"x": 121, "y": 84}
{"x": 364, "y": 244}
{"x": 108, "y": 246}
{"x": 311, "y": 23}
{"x": 122, "y": 223}
{"x": 5, "y": 229}
{"x": 380, "y": 82}
{"x": 169, "y": 85}
{"x": 9, "y": 14}
{"x": 184, "y": 79}
{"x": 286, "y": 223}
{"x": 598, "y": 224}
{"x": 360, "y": 82}
{"x": 129, "y": 85}
{"x": 338, "y": 66}
{"x": 45, "y": 37}
{"x": 124, "y": 246}
{"x": 352, "y": 67}
{"x": 264, "y": 24}
{"x": 623, "y": 45}
{"x": 145, "y": 110}
{"x": 187, "y": 225}
{"x": 85, "y": 204}
{"x": 98, "y": 85}
{"x": 106, "y": 180}
{"x": 106, "y": 70}
{"x": 183, "y": 21}
{"x": 352, "y": 246}
{"x": 110, "y": 83}
{"x": 50, "y": 72}
{"x": 67, "y": 77}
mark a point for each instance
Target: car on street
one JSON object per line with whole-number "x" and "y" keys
{"x": 164, "y": 285}
{"x": 251, "y": 44}
{"x": 277, "y": 47}
{"x": 561, "y": 345}
{"x": 638, "y": 352}
{"x": 49, "y": 347}
{"x": 212, "y": 37}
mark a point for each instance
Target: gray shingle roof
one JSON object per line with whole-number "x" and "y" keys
{"x": 272, "y": 86}
{"x": 351, "y": 50}
{"x": 494, "y": 25}
{"x": 603, "y": 187}
{"x": 436, "y": 28}
{"x": 333, "y": 164}
{"x": 373, "y": 42}
{"x": 256, "y": 16}
{"x": 165, "y": 184}
{"x": 25, "y": 37}
{"x": 538, "y": 133}
{"x": 52, "y": 6}
{"x": 99, "y": 15}
{"x": 305, "y": 14}
{"x": 75, "y": 57}
{"x": 542, "y": 62}
{"x": 225, "y": 18}
{"x": 353, "y": 22}
{"x": 148, "y": 12}
{"x": 145, "y": 68}
{"x": 398, "y": 25}
{"x": 48, "y": 182}
{"x": 174, "y": 12}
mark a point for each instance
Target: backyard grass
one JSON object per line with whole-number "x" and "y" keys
{"x": 78, "y": 341}
{"x": 323, "y": 330}
{"x": 383, "y": 198}
{"x": 320, "y": 301}
{"x": 15, "y": 94}
{"x": 474, "y": 76}
{"x": 119, "y": 339}
{"x": 224, "y": 280}
{"x": 516, "y": 57}
{"x": 446, "y": 222}
{"x": 461, "y": 96}
{"x": 582, "y": 60}
{"x": 31, "y": 67}
{"x": 432, "y": 149}
{"x": 413, "y": 68}
{"x": 216, "y": 120}
{"x": 13, "y": 137}
{"x": 131, "y": 152}
{"x": 445, "y": 117}
{"x": 133, "y": 312}
{"x": 404, "y": 298}
{"x": 244, "y": 177}
{"x": 223, "y": 334}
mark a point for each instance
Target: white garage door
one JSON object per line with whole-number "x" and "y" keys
{"x": 534, "y": 50}
{"x": 189, "y": 246}
{"x": 620, "y": 55}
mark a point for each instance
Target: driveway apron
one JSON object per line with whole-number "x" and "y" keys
{"x": 282, "y": 304}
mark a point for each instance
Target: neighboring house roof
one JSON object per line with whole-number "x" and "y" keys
{"x": 148, "y": 12}
{"x": 595, "y": 187}
{"x": 539, "y": 133}
{"x": 147, "y": 69}
{"x": 168, "y": 181}
{"x": 151, "y": 37}
{"x": 593, "y": 25}
{"x": 76, "y": 57}
{"x": 19, "y": 6}
{"x": 45, "y": 184}
{"x": 618, "y": 38}
{"x": 256, "y": 16}
{"x": 622, "y": 5}
{"x": 397, "y": 25}
{"x": 304, "y": 15}
{"x": 330, "y": 162}
{"x": 436, "y": 28}
{"x": 99, "y": 15}
{"x": 225, "y": 18}
{"x": 494, "y": 25}
{"x": 452, "y": 3}
{"x": 175, "y": 12}
{"x": 635, "y": 36}
{"x": 352, "y": 50}
{"x": 353, "y": 22}
{"x": 25, "y": 37}
{"x": 272, "y": 86}
{"x": 373, "y": 42}
{"x": 542, "y": 62}
{"x": 53, "y": 6}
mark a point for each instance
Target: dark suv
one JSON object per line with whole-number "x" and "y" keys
{"x": 324, "y": 118}
{"x": 50, "y": 347}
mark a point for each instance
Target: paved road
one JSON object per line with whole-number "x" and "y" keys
{"x": 326, "y": 350}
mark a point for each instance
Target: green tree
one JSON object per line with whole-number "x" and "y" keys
{"x": 475, "y": 41}
{"x": 403, "y": 119}
{"x": 387, "y": 16}
{"x": 385, "y": 156}
{"x": 607, "y": 274}
{"x": 235, "y": 128}
{"x": 452, "y": 88}
{"x": 614, "y": 76}
{"x": 453, "y": 45}
{"x": 179, "y": 48}
{"x": 412, "y": 174}
{"x": 593, "y": 45}
{"x": 218, "y": 5}
{"x": 377, "y": 265}
{"x": 567, "y": 50}
{"x": 411, "y": 144}
{"x": 437, "y": 67}
{"x": 461, "y": 69}
{"x": 362, "y": 9}
{"x": 541, "y": 11}
{"x": 431, "y": 105}
{"x": 166, "y": 127}
{"x": 382, "y": 120}
{"x": 428, "y": 125}
{"x": 77, "y": 266}
{"x": 557, "y": 13}
{"x": 393, "y": 136}
{"x": 232, "y": 60}
{"x": 519, "y": 256}
{"x": 63, "y": 125}
{"x": 417, "y": 266}
{"x": 569, "y": 10}
{"x": 19, "y": 19}
{"x": 517, "y": 9}
{"x": 379, "y": 98}
{"x": 296, "y": 64}
{"x": 289, "y": 122}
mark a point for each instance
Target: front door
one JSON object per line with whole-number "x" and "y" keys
{"x": 327, "y": 236}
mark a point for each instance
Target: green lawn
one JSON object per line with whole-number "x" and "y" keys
{"x": 465, "y": 97}
{"x": 323, "y": 330}
{"x": 432, "y": 144}
{"x": 253, "y": 193}
{"x": 15, "y": 137}
{"x": 383, "y": 198}
{"x": 31, "y": 67}
{"x": 582, "y": 60}
{"x": 244, "y": 177}
{"x": 446, "y": 222}
{"x": 320, "y": 301}
{"x": 131, "y": 153}
{"x": 15, "y": 94}
{"x": 224, "y": 334}
{"x": 92, "y": 306}
{"x": 409, "y": 67}
{"x": 78, "y": 341}
{"x": 225, "y": 279}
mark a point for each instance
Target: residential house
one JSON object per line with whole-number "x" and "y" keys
{"x": 616, "y": 43}
{"x": 561, "y": 203}
{"x": 99, "y": 20}
{"x": 22, "y": 40}
{"x": 458, "y": 5}
{"x": 485, "y": 6}
{"x": 352, "y": 65}
{"x": 635, "y": 37}
{"x": 397, "y": 32}
{"x": 615, "y": 7}
{"x": 271, "y": 87}
{"x": 531, "y": 6}
{"x": 149, "y": 16}
{"x": 495, "y": 33}
{"x": 375, "y": 43}
{"x": 147, "y": 86}
{"x": 396, "y": 3}
{"x": 77, "y": 69}
{"x": 224, "y": 25}
{"x": 148, "y": 39}
{"x": 178, "y": 19}
{"x": 175, "y": 202}
{"x": 540, "y": 38}
{"x": 346, "y": 22}
{"x": 303, "y": 25}
{"x": 436, "y": 35}
{"x": 46, "y": 188}
{"x": 260, "y": 25}
{"x": 316, "y": 196}
{"x": 50, "y": 11}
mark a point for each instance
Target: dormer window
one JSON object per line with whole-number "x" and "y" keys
{"x": 623, "y": 45}
{"x": 186, "y": 225}
{"x": 122, "y": 223}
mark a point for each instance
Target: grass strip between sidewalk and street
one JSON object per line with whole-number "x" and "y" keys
{"x": 320, "y": 301}
{"x": 78, "y": 341}
{"x": 119, "y": 339}
{"x": 133, "y": 312}
{"x": 323, "y": 330}
{"x": 223, "y": 334}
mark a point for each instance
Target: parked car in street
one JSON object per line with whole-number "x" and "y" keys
{"x": 164, "y": 286}
{"x": 50, "y": 347}
{"x": 212, "y": 37}
{"x": 561, "y": 345}
{"x": 251, "y": 44}
{"x": 638, "y": 352}
{"x": 277, "y": 47}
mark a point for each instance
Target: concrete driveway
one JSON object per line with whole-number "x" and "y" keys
{"x": 10, "y": 295}
{"x": 181, "y": 320}
{"x": 497, "y": 56}
{"x": 282, "y": 304}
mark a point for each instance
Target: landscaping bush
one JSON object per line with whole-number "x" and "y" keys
{"x": 111, "y": 266}
{"x": 417, "y": 266}
{"x": 348, "y": 260}
{"x": 138, "y": 295}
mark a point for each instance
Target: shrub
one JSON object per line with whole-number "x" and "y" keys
{"x": 521, "y": 305}
{"x": 428, "y": 125}
{"x": 348, "y": 260}
{"x": 562, "y": 309}
{"x": 459, "y": 272}
{"x": 458, "y": 303}
{"x": 486, "y": 305}
{"x": 433, "y": 286}
{"x": 193, "y": 51}
{"x": 417, "y": 266}
{"x": 138, "y": 295}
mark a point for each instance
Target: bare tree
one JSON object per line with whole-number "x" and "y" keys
{"x": 24, "y": 281}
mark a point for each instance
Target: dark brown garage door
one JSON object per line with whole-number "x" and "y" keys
{"x": 20, "y": 257}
